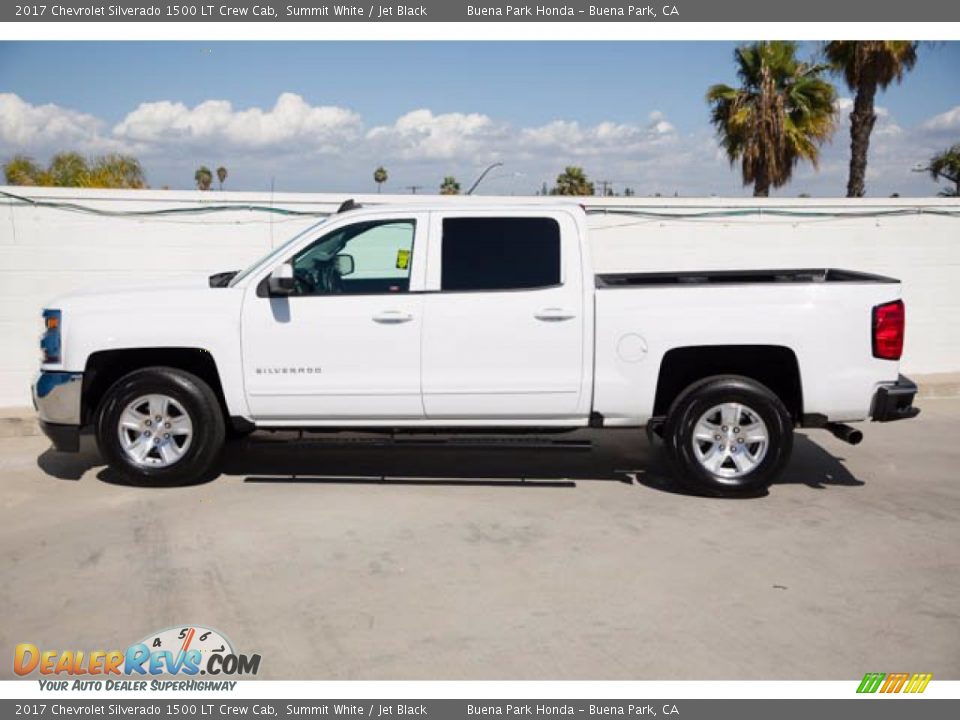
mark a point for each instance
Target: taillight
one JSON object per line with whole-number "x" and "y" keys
{"x": 889, "y": 321}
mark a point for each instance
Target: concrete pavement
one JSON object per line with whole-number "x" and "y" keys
{"x": 524, "y": 563}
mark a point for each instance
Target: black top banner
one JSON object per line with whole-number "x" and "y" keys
{"x": 482, "y": 11}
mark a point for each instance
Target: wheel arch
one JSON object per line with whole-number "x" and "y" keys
{"x": 105, "y": 367}
{"x": 775, "y": 366}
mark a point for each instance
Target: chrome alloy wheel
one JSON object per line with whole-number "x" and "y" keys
{"x": 730, "y": 440}
{"x": 155, "y": 431}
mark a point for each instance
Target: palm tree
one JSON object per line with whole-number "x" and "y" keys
{"x": 22, "y": 170}
{"x": 946, "y": 165}
{"x": 867, "y": 65}
{"x": 572, "y": 181}
{"x": 203, "y": 178}
{"x": 380, "y": 177}
{"x": 449, "y": 186}
{"x": 782, "y": 113}
{"x": 221, "y": 176}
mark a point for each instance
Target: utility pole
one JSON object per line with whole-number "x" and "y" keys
{"x": 413, "y": 188}
{"x": 604, "y": 186}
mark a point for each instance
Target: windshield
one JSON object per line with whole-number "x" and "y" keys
{"x": 273, "y": 254}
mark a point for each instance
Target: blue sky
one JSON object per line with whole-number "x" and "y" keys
{"x": 631, "y": 112}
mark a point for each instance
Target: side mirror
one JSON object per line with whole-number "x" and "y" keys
{"x": 345, "y": 265}
{"x": 280, "y": 281}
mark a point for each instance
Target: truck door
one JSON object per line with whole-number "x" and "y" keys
{"x": 346, "y": 344}
{"x": 503, "y": 334}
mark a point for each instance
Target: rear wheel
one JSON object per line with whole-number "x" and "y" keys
{"x": 728, "y": 435}
{"x": 160, "y": 426}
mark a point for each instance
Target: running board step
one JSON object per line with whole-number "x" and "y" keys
{"x": 524, "y": 443}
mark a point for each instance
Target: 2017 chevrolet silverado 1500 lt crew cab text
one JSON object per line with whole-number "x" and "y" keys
{"x": 456, "y": 317}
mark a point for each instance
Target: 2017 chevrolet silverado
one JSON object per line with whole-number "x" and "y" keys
{"x": 457, "y": 317}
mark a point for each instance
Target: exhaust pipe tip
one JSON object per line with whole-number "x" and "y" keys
{"x": 845, "y": 432}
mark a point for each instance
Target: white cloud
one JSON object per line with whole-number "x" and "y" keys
{"x": 422, "y": 135}
{"x": 291, "y": 124}
{"x": 26, "y": 128}
{"x": 659, "y": 123}
{"x": 419, "y": 147}
{"x": 604, "y": 138}
{"x": 945, "y": 122}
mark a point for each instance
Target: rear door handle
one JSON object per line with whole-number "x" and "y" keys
{"x": 553, "y": 314}
{"x": 392, "y": 317}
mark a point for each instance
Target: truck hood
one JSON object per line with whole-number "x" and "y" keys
{"x": 156, "y": 302}
{"x": 185, "y": 314}
{"x": 192, "y": 288}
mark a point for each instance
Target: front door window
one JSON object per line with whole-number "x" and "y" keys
{"x": 370, "y": 258}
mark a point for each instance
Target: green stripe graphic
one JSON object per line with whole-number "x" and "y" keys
{"x": 871, "y": 682}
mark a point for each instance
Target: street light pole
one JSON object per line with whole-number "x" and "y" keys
{"x": 482, "y": 176}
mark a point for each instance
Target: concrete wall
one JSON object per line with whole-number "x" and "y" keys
{"x": 46, "y": 251}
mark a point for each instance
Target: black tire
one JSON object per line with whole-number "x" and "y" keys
{"x": 194, "y": 396}
{"x": 701, "y": 397}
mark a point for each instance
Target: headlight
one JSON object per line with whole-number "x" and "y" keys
{"x": 50, "y": 342}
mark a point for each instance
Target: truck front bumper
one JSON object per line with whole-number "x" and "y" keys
{"x": 895, "y": 401}
{"x": 56, "y": 396}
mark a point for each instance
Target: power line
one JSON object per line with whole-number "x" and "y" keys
{"x": 609, "y": 209}
{"x": 201, "y": 210}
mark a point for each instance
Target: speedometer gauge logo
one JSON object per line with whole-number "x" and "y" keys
{"x": 180, "y": 640}
{"x": 190, "y": 650}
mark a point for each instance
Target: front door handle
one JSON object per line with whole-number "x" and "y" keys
{"x": 553, "y": 314}
{"x": 392, "y": 317}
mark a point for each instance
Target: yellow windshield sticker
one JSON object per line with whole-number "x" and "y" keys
{"x": 403, "y": 259}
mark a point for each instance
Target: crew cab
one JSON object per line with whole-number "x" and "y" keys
{"x": 460, "y": 316}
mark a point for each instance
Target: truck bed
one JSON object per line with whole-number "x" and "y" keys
{"x": 728, "y": 277}
{"x": 822, "y": 316}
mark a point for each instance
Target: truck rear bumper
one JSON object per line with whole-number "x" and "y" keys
{"x": 895, "y": 401}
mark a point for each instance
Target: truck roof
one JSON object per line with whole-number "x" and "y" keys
{"x": 478, "y": 204}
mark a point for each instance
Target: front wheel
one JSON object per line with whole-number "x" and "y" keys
{"x": 728, "y": 435}
{"x": 160, "y": 426}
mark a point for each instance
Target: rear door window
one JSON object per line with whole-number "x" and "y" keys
{"x": 490, "y": 254}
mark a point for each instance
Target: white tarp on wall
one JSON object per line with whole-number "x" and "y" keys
{"x": 46, "y": 251}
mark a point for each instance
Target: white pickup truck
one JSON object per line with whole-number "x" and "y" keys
{"x": 458, "y": 316}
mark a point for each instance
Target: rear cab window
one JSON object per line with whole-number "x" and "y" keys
{"x": 489, "y": 254}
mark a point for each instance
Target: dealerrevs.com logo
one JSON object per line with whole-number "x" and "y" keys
{"x": 188, "y": 650}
